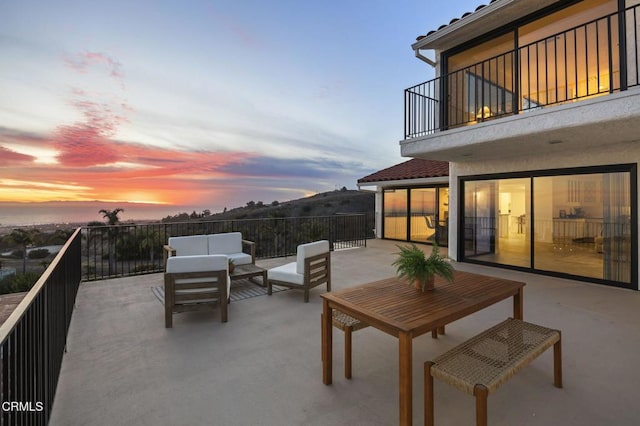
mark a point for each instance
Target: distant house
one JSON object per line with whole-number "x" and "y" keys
{"x": 412, "y": 201}
{"x": 535, "y": 105}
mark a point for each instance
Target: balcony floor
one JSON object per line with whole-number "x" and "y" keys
{"x": 263, "y": 367}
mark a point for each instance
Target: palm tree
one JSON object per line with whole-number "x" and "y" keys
{"x": 23, "y": 238}
{"x": 113, "y": 233}
{"x": 111, "y": 215}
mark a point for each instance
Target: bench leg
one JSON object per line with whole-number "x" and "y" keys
{"x": 347, "y": 352}
{"x": 481, "y": 393}
{"x": 557, "y": 364}
{"x": 428, "y": 394}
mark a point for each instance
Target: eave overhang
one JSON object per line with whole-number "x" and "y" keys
{"x": 483, "y": 20}
{"x": 407, "y": 182}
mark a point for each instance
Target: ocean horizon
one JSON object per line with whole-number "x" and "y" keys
{"x": 83, "y": 212}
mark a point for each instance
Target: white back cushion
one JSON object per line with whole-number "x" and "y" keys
{"x": 190, "y": 246}
{"x": 200, "y": 263}
{"x": 309, "y": 250}
{"x": 227, "y": 243}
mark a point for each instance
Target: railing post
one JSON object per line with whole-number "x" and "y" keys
{"x": 515, "y": 103}
{"x": 622, "y": 41}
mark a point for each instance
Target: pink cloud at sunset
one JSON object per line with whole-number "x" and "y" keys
{"x": 90, "y": 167}
{"x": 8, "y": 157}
{"x": 86, "y": 161}
{"x": 84, "y": 61}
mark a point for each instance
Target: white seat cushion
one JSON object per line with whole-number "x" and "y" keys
{"x": 190, "y": 246}
{"x": 286, "y": 273}
{"x": 240, "y": 258}
{"x": 309, "y": 250}
{"x": 226, "y": 243}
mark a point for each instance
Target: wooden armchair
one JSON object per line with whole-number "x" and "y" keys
{"x": 311, "y": 268}
{"x": 196, "y": 282}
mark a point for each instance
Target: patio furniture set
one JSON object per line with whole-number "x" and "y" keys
{"x": 478, "y": 366}
{"x": 197, "y": 276}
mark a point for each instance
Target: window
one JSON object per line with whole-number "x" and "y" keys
{"x": 569, "y": 54}
{"x": 576, "y": 224}
{"x": 417, "y": 214}
{"x": 395, "y": 214}
{"x": 480, "y": 83}
{"x": 565, "y": 55}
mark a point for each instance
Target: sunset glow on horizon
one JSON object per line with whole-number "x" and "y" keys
{"x": 210, "y": 104}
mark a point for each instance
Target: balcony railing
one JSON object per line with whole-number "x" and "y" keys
{"x": 111, "y": 251}
{"x": 33, "y": 340}
{"x": 592, "y": 59}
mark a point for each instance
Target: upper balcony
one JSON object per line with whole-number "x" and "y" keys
{"x": 584, "y": 78}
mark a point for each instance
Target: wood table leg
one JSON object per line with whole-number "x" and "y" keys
{"x": 406, "y": 378}
{"x": 428, "y": 394}
{"x": 518, "y": 305}
{"x": 327, "y": 343}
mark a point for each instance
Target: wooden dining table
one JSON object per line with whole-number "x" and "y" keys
{"x": 399, "y": 309}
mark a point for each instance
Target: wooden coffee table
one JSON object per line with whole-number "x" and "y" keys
{"x": 249, "y": 271}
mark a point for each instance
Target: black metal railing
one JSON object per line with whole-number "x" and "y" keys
{"x": 122, "y": 250}
{"x": 591, "y": 59}
{"x": 33, "y": 340}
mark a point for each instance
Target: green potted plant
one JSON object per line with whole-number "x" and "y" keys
{"x": 421, "y": 270}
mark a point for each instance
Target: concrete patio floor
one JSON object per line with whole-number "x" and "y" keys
{"x": 263, "y": 367}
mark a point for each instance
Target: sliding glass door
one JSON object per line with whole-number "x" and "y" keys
{"x": 395, "y": 213}
{"x": 417, "y": 214}
{"x": 577, "y": 224}
{"x": 583, "y": 225}
{"x": 496, "y": 220}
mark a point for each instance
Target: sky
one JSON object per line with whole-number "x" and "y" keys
{"x": 204, "y": 103}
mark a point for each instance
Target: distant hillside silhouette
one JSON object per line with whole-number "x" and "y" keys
{"x": 323, "y": 204}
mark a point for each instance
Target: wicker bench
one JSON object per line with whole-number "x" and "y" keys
{"x": 348, "y": 324}
{"x": 483, "y": 363}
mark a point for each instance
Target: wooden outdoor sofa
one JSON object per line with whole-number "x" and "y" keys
{"x": 483, "y": 363}
{"x": 230, "y": 244}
